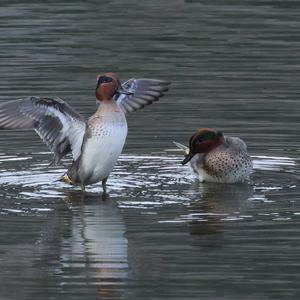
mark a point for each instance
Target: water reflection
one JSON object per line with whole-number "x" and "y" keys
{"x": 219, "y": 203}
{"x": 225, "y": 198}
{"x": 85, "y": 247}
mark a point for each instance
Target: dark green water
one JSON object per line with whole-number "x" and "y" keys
{"x": 235, "y": 66}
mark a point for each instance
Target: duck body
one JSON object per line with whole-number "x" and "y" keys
{"x": 214, "y": 157}
{"x": 102, "y": 145}
{"x": 227, "y": 163}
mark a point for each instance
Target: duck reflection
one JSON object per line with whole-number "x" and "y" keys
{"x": 92, "y": 247}
{"x": 225, "y": 198}
{"x": 218, "y": 203}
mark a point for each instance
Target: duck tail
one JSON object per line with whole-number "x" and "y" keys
{"x": 65, "y": 178}
{"x": 182, "y": 147}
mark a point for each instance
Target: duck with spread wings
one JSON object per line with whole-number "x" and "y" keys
{"x": 96, "y": 143}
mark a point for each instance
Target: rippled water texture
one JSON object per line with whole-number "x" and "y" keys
{"x": 234, "y": 66}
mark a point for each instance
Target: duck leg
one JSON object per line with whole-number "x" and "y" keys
{"x": 104, "y": 194}
{"x": 104, "y": 184}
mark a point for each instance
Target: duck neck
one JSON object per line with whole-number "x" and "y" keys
{"x": 108, "y": 106}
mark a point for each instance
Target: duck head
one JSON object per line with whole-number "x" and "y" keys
{"x": 203, "y": 141}
{"x": 108, "y": 85}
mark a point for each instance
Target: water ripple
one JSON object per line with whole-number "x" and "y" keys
{"x": 147, "y": 182}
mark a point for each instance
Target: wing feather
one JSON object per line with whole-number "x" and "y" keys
{"x": 145, "y": 92}
{"x": 57, "y": 124}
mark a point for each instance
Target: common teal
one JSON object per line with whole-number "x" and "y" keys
{"x": 217, "y": 158}
{"x": 96, "y": 143}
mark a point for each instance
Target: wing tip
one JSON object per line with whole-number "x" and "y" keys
{"x": 182, "y": 147}
{"x": 156, "y": 81}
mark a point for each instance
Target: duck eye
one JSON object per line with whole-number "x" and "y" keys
{"x": 104, "y": 79}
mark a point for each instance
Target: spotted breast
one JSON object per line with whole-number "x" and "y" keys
{"x": 104, "y": 142}
{"x": 218, "y": 158}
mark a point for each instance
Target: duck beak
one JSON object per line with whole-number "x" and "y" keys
{"x": 123, "y": 91}
{"x": 187, "y": 157}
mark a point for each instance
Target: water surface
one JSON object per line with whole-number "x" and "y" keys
{"x": 234, "y": 66}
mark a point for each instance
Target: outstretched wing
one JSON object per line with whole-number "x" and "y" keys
{"x": 58, "y": 125}
{"x": 145, "y": 92}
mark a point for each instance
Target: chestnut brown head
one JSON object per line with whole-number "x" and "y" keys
{"x": 203, "y": 141}
{"x": 108, "y": 85}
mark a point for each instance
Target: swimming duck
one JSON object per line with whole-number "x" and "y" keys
{"x": 217, "y": 158}
{"x": 96, "y": 143}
